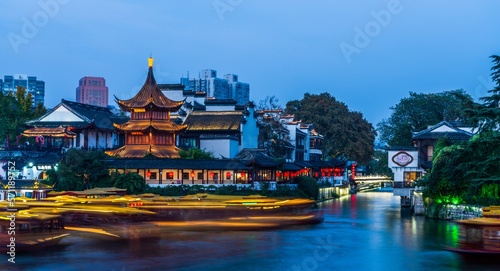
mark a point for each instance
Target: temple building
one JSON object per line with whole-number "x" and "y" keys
{"x": 150, "y": 131}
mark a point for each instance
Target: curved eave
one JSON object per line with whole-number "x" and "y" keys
{"x": 146, "y": 128}
{"x": 127, "y": 105}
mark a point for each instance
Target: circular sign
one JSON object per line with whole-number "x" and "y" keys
{"x": 402, "y": 158}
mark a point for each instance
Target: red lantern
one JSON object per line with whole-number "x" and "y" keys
{"x": 192, "y": 174}
{"x": 316, "y": 174}
{"x": 242, "y": 175}
{"x": 211, "y": 175}
{"x": 148, "y": 174}
{"x": 228, "y": 175}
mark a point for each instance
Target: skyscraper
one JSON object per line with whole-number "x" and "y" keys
{"x": 33, "y": 86}
{"x": 92, "y": 90}
{"x": 219, "y": 88}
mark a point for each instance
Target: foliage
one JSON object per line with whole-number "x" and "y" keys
{"x": 308, "y": 186}
{"x": 379, "y": 165}
{"x": 466, "y": 172}
{"x": 16, "y": 110}
{"x": 195, "y": 153}
{"x": 133, "y": 182}
{"x": 346, "y": 133}
{"x": 273, "y": 136}
{"x": 420, "y": 110}
{"x": 81, "y": 169}
{"x": 486, "y": 116}
{"x": 269, "y": 103}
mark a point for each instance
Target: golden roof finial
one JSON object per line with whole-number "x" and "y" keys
{"x": 150, "y": 61}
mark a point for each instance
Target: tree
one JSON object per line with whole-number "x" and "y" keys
{"x": 81, "y": 169}
{"x": 417, "y": 112}
{"x": 468, "y": 172}
{"x": 346, "y": 133}
{"x": 16, "y": 110}
{"x": 379, "y": 165}
{"x": 273, "y": 136}
{"x": 195, "y": 153}
{"x": 486, "y": 116}
{"x": 133, "y": 182}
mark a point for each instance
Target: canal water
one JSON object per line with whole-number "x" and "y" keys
{"x": 367, "y": 231}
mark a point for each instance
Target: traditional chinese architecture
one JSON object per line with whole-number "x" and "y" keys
{"x": 150, "y": 131}
{"x": 410, "y": 163}
{"x": 74, "y": 125}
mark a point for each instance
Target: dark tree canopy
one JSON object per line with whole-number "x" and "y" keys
{"x": 133, "y": 182}
{"x": 346, "y": 133}
{"x": 16, "y": 109}
{"x": 420, "y": 110}
{"x": 80, "y": 170}
{"x": 468, "y": 172}
{"x": 486, "y": 116}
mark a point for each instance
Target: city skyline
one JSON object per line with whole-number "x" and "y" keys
{"x": 368, "y": 55}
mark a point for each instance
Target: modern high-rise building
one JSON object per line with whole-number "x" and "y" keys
{"x": 92, "y": 90}
{"x": 218, "y": 88}
{"x": 33, "y": 86}
{"x": 239, "y": 91}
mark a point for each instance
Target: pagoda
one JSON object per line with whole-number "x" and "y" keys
{"x": 150, "y": 131}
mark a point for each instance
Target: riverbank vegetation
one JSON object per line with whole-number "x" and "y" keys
{"x": 468, "y": 172}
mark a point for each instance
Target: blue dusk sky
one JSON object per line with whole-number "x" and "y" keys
{"x": 368, "y": 54}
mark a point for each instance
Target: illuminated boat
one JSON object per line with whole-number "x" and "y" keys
{"x": 222, "y": 207}
{"x": 478, "y": 238}
{"x": 23, "y": 231}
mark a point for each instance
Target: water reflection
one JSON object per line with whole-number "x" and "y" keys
{"x": 367, "y": 231}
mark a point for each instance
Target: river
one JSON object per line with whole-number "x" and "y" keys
{"x": 367, "y": 231}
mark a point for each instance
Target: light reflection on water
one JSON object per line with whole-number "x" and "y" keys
{"x": 368, "y": 231}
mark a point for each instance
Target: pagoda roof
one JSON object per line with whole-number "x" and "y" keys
{"x": 140, "y": 151}
{"x": 144, "y": 125}
{"x": 214, "y": 121}
{"x": 150, "y": 95}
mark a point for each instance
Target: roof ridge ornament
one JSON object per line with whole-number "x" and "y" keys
{"x": 150, "y": 61}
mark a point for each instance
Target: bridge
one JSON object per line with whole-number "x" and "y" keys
{"x": 370, "y": 182}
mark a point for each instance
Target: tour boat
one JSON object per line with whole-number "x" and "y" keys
{"x": 478, "y": 238}
{"x": 23, "y": 231}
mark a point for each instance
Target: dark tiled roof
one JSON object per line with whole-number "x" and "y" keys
{"x": 290, "y": 167}
{"x": 214, "y": 121}
{"x": 100, "y": 117}
{"x": 171, "y": 87}
{"x": 150, "y": 95}
{"x": 140, "y": 151}
{"x": 454, "y": 134}
{"x": 220, "y": 102}
{"x": 259, "y": 158}
{"x": 209, "y": 164}
{"x": 400, "y": 148}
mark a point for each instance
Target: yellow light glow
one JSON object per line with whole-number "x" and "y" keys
{"x": 139, "y": 110}
{"x": 150, "y": 62}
